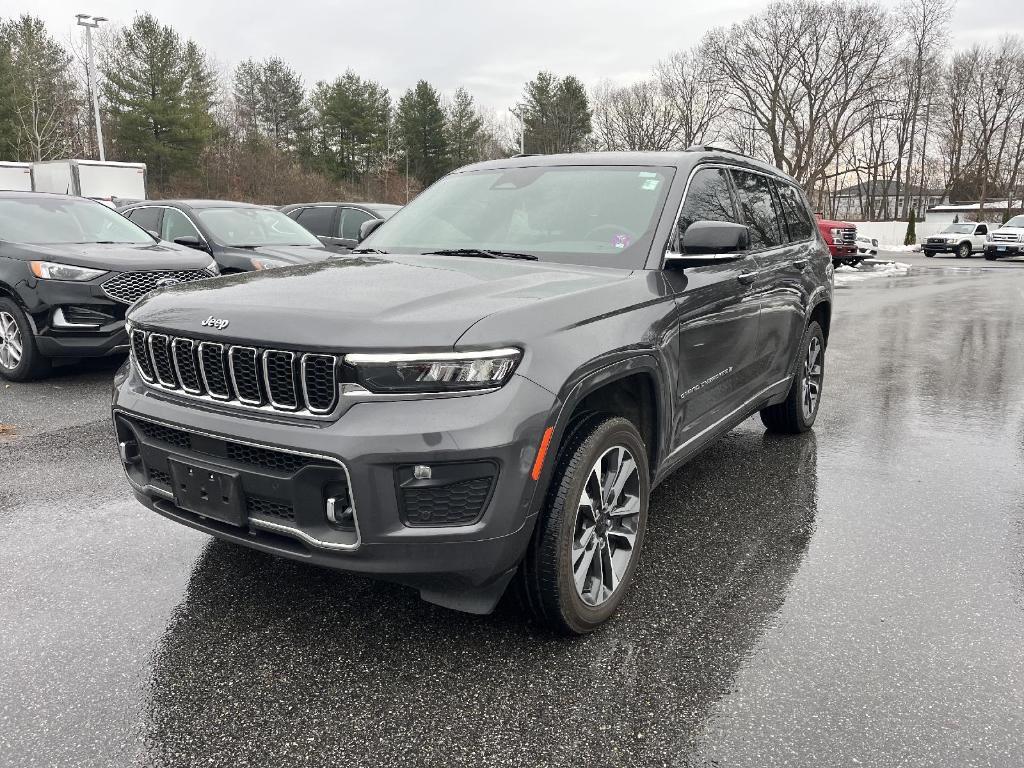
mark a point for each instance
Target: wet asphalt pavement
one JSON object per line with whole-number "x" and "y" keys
{"x": 854, "y": 596}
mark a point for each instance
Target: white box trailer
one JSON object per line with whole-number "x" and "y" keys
{"x": 15, "y": 177}
{"x": 107, "y": 182}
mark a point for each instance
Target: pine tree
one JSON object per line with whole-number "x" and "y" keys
{"x": 351, "y": 124}
{"x": 420, "y": 121}
{"x": 463, "y": 128}
{"x": 246, "y": 92}
{"x": 38, "y": 95}
{"x": 556, "y": 114}
{"x": 911, "y": 237}
{"x": 160, "y": 92}
{"x": 282, "y": 104}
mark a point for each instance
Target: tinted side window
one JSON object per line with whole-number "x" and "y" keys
{"x": 317, "y": 220}
{"x": 707, "y": 199}
{"x": 759, "y": 211}
{"x": 982, "y": 230}
{"x": 148, "y": 218}
{"x": 351, "y": 220}
{"x": 177, "y": 224}
{"x": 799, "y": 220}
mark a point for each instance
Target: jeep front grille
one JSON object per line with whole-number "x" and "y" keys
{"x": 129, "y": 287}
{"x": 269, "y": 379}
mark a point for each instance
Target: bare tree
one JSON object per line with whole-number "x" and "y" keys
{"x": 697, "y": 91}
{"x": 634, "y": 117}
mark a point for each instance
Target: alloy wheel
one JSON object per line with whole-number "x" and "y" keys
{"x": 11, "y": 348}
{"x": 605, "y": 531}
{"x": 812, "y": 376}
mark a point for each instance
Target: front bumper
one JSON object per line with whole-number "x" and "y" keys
{"x": 1004, "y": 249}
{"x": 464, "y": 566}
{"x": 940, "y": 247}
{"x": 843, "y": 253}
{"x": 59, "y": 332}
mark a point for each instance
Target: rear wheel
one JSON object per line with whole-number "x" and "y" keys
{"x": 587, "y": 541}
{"x": 798, "y": 411}
{"x": 19, "y": 358}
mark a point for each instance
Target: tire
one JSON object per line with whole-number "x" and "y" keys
{"x": 929, "y": 255}
{"x": 990, "y": 257}
{"x": 555, "y": 563}
{"x": 19, "y": 357}
{"x": 963, "y": 251}
{"x": 793, "y": 415}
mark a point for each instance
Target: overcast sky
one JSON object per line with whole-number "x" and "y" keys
{"x": 491, "y": 48}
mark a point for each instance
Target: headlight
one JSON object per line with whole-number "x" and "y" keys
{"x": 265, "y": 263}
{"x": 442, "y": 372}
{"x": 213, "y": 269}
{"x": 837, "y": 234}
{"x": 47, "y": 270}
{"x": 951, "y": 239}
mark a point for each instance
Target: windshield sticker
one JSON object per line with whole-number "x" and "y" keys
{"x": 621, "y": 241}
{"x": 647, "y": 175}
{"x": 650, "y": 184}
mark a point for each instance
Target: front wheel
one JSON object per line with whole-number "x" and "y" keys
{"x": 587, "y": 541}
{"x": 963, "y": 251}
{"x": 798, "y": 411}
{"x": 19, "y": 358}
{"x": 990, "y": 257}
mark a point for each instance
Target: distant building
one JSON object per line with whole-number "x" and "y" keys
{"x": 995, "y": 211}
{"x": 879, "y": 201}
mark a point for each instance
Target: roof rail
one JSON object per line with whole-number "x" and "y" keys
{"x": 712, "y": 148}
{"x": 528, "y": 154}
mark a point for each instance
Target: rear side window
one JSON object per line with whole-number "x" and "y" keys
{"x": 708, "y": 198}
{"x": 351, "y": 220}
{"x": 797, "y": 218}
{"x": 317, "y": 220}
{"x": 148, "y": 218}
{"x": 759, "y": 209}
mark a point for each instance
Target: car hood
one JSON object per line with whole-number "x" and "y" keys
{"x": 369, "y": 302}
{"x": 290, "y": 254}
{"x": 114, "y": 257}
{"x": 1009, "y": 231}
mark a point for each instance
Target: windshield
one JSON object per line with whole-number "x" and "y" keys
{"x": 252, "y": 227}
{"x": 600, "y": 215}
{"x": 960, "y": 229}
{"x": 1016, "y": 221}
{"x": 56, "y": 221}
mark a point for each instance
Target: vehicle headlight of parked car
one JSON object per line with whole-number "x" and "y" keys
{"x": 264, "y": 263}
{"x": 48, "y": 270}
{"x": 430, "y": 373}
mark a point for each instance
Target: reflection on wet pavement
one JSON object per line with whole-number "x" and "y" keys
{"x": 851, "y": 595}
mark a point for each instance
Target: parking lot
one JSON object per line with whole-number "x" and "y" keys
{"x": 854, "y": 595}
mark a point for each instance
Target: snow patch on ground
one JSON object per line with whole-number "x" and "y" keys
{"x": 847, "y": 274}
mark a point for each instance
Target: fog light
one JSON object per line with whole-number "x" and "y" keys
{"x": 339, "y": 512}
{"x": 421, "y": 472}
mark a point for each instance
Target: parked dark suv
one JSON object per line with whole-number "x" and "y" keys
{"x": 491, "y": 386}
{"x": 69, "y": 269}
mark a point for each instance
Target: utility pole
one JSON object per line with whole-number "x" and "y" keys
{"x": 90, "y": 23}
{"x": 522, "y": 130}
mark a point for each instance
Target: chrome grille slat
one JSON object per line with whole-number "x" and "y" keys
{"x": 240, "y": 376}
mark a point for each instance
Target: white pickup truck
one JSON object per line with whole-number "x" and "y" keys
{"x": 1008, "y": 240}
{"x": 963, "y": 239}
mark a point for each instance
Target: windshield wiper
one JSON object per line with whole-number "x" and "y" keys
{"x": 369, "y": 250}
{"x": 482, "y": 253}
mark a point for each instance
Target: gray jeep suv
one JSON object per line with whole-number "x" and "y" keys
{"x": 486, "y": 392}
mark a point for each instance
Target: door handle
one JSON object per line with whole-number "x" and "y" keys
{"x": 800, "y": 264}
{"x": 747, "y": 277}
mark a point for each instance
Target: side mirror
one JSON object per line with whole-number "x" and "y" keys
{"x": 711, "y": 242}
{"x": 191, "y": 241}
{"x": 153, "y": 233}
{"x": 367, "y": 228}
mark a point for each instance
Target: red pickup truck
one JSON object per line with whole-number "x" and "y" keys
{"x": 841, "y": 238}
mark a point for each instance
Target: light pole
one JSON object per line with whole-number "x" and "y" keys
{"x": 522, "y": 130}
{"x": 90, "y": 23}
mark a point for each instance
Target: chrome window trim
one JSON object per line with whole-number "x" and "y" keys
{"x": 202, "y": 373}
{"x": 734, "y": 167}
{"x": 305, "y": 389}
{"x": 177, "y": 368}
{"x": 266, "y": 377}
{"x": 274, "y": 527}
{"x": 234, "y": 381}
{"x": 152, "y": 358}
